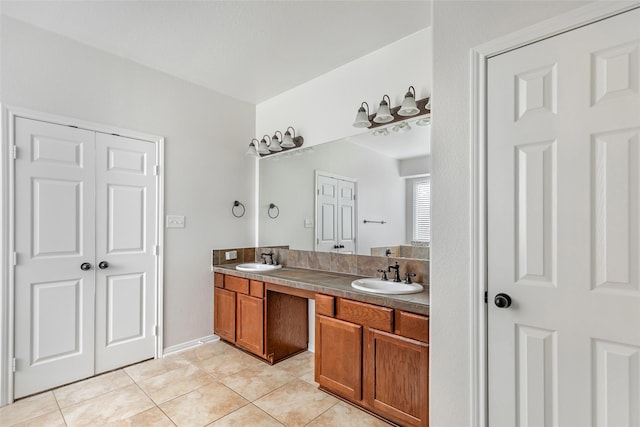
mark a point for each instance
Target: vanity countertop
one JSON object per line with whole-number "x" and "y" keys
{"x": 330, "y": 283}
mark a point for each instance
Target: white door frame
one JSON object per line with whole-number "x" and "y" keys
{"x": 7, "y": 229}
{"x": 478, "y": 216}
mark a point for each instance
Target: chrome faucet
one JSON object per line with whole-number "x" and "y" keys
{"x": 264, "y": 260}
{"x": 396, "y": 273}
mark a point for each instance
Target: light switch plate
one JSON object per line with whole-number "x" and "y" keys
{"x": 308, "y": 223}
{"x": 229, "y": 255}
{"x": 175, "y": 221}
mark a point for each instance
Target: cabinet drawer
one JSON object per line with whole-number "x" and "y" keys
{"x": 325, "y": 305}
{"x": 236, "y": 284}
{"x": 218, "y": 280}
{"x": 365, "y": 314}
{"x": 256, "y": 289}
{"x": 412, "y": 325}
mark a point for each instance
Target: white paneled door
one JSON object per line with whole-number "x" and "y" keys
{"x": 335, "y": 214}
{"x": 564, "y": 229}
{"x": 85, "y": 221}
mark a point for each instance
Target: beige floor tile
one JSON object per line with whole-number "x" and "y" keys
{"x": 310, "y": 378}
{"x": 151, "y": 417}
{"x": 255, "y": 382}
{"x": 175, "y": 383}
{"x": 296, "y": 403}
{"x": 249, "y": 415}
{"x": 28, "y": 408}
{"x": 206, "y": 351}
{"x": 203, "y": 406}
{"x": 114, "y": 406}
{"x": 344, "y": 414}
{"x": 298, "y": 365}
{"x": 228, "y": 363}
{"x": 88, "y": 389}
{"x": 52, "y": 419}
{"x": 151, "y": 368}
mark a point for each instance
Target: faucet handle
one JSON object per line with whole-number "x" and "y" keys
{"x": 384, "y": 274}
{"x": 408, "y": 277}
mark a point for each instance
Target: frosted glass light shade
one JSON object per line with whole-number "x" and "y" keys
{"x": 275, "y": 144}
{"x": 287, "y": 141}
{"x": 262, "y": 147}
{"x": 362, "y": 119}
{"x": 409, "y": 107}
{"x": 384, "y": 113}
{"x": 424, "y": 121}
{"x": 251, "y": 151}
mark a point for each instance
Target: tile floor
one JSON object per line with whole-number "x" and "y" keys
{"x": 211, "y": 385}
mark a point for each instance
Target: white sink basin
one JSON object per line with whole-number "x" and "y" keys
{"x": 256, "y": 267}
{"x": 377, "y": 286}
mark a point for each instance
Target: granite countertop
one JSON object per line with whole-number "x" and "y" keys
{"x": 330, "y": 283}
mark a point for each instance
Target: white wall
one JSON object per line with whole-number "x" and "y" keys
{"x": 323, "y": 109}
{"x": 459, "y": 26}
{"x": 206, "y": 137}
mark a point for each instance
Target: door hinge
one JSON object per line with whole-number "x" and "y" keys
{"x": 156, "y": 250}
{"x": 15, "y": 152}
{"x": 13, "y": 364}
{"x": 486, "y": 297}
{"x": 155, "y": 331}
{"x": 15, "y": 258}
{"x": 157, "y": 170}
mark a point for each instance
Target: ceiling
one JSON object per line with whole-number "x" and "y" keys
{"x": 250, "y": 50}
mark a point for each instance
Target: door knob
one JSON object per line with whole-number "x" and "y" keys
{"x": 502, "y": 301}
{"x": 85, "y": 266}
{"x": 103, "y": 265}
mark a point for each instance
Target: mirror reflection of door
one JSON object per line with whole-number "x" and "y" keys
{"x": 335, "y": 213}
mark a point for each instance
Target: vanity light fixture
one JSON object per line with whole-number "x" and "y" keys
{"x": 362, "y": 118}
{"x": 275, "y": 142}
{"x": 263, "y": 148}
{"x": 409, "y": 107}
{"x": 384, "y": 113}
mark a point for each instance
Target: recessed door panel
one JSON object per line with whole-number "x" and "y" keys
{"x": 57, "y": 217}
{"x": 616, "y": 211}
{"x": 126, "y": 222}
{"x": 125, "y": 308}
{"x": 56, "y": 320}
{"x": 56, "y": 151}
{"x": 127, "y": 161}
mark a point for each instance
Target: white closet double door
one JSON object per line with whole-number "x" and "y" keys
{"x": 335, "y": 214}
{"x": 85, "y": 241}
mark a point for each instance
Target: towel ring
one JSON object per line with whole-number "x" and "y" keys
{"x": 272, "y": 207}
{"x": 233, "y": 209}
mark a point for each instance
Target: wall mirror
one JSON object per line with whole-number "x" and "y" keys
{"x": 390, "y": 168}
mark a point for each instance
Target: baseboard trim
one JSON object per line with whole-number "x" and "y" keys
{"x": 178, "y": 348}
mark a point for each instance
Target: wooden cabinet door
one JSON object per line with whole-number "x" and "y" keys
{"x": 338, "y": 358}
{"x": 224, "y": 314}
{"x": 397, "y": 377}
{"x": 250, "y": 323}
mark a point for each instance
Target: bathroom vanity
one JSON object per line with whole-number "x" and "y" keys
{"x": 371, "y": 350}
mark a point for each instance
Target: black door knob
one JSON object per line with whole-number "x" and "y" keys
{"x": 85, "y": 266}
{"x": 103, "y": 265}
{"x": 502, "y": 300}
